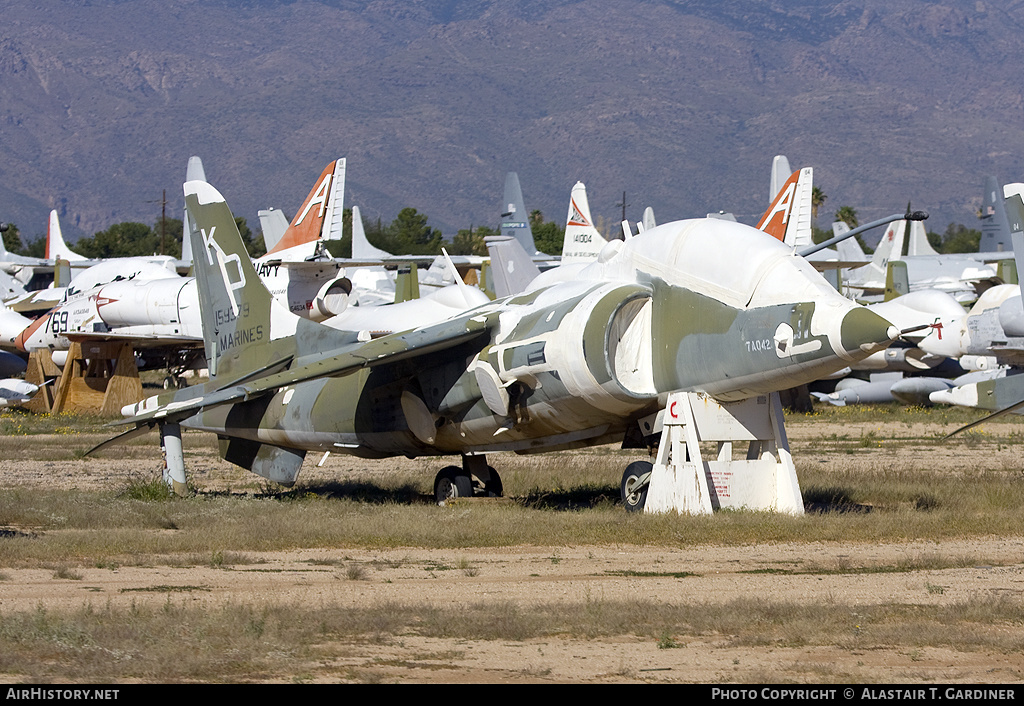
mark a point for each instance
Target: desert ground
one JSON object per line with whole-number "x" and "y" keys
{"x": 895, "y": 574}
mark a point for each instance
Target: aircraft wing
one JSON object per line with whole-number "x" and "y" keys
{"x": 36, "y": 302}
{"x": 387, "y": 349}
{"x": 1009, "y": 351}
{"x": 824, "y": 265}
{"x": 139, "y": 341}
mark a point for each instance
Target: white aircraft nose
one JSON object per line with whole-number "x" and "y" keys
{"x": 963, "y": 396}
{"x": 943, "y": 340}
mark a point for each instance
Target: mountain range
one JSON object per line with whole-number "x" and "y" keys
{"x": 679, "y": 104}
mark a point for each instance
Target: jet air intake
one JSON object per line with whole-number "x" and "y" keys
{"x": 331, "y": 300}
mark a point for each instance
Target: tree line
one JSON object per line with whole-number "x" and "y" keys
{"x": 408, "y": 234}
{"x": 128, "y": 239}
{"x": 957, "y": 238}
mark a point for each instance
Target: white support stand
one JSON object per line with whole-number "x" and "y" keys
{"x": 174, "y": 458}
{"x": 683, "y": 481}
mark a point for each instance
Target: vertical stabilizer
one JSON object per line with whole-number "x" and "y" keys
{"x": 55, "y": 245}
{"x": 61, "y": 272}
{"x": 897, "y": 282}
{"x": 890, "y": 247}
{"x": 407, "y": 284}
{"x": 649, "y": 221}
{"x": 1014, "y": 208}
{"x": 919, "y": 244}
{"x": 780, "y": 175}
{"x": 788, "y": 218}
{"x": 273, "y": 224}
{"x": 362, "y": 249}
{"x": 515, "y": 219}
{"x": 236, "y": 308}
{"x": 849, "y": 250}
{"x": 319, "y": 218}
{"x": 244, "y": 328}
{"x": 193, "y": 172}
{"x": 582, "y": 241}
{"x": 995, "y": 226}
{"x": 512, "y": 269}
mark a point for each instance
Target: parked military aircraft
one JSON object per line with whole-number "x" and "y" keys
{"x": 515, "y": 219}
{"x": 788, "y": 217}
{"x": 570, "y": 363}
{"x": 160, "y": 315}
{"x": 14, "y": 392}
{"x": 995, "y": 226}
{"x": 998, "y": 330}
{"x": 30, "y": 272}
{"x": 55, "y": 245}
{"x": 140, "y": 301}
{"x": 582, "y": 241}
{"x": 962, "y": 276}
{"x": 512, "y": 268}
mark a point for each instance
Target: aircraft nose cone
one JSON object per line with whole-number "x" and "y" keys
{"x": 22, "y": 340}
{"x": 943, "y": 339}
{"x": 864, "y": 332}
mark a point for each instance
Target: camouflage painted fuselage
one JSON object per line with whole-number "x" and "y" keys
{"x": 580, "y": 357}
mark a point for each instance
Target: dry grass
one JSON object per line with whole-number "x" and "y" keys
{"x": 889, "y": 500}
{"x": 274, "y": 641}
{"x": 881, "y": 490}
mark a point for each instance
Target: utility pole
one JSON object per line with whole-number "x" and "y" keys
{"x": 163, "y": 222}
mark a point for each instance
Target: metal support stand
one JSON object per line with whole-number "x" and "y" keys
{"x": 174, "y": 458}
{"x": 683, "y": 481}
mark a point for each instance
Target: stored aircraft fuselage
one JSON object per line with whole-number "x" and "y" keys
{"x": 699, "y": 305}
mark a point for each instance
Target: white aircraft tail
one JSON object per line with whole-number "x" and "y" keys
{"x": 55, "y": 245}
{"x": 193, "y": 172}
{"x": 849, "y": 250}
{"x": 788, "y": 218}
{"x": 890, "y": 247}
{"x": 362, "y": 249}
{"x": 648, "y": 220}
{"x": 919, "y": 244}
{"x": 780, "y": 175}
{"x": 319, "y": 218}
{"x": 273, "y": 223}
{"x": 582, "y": 241}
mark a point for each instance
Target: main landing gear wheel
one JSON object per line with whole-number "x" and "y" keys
{"x": 635, "y": 482}
{"x": 174, "y": 382}
{"x": 451, "y": 483}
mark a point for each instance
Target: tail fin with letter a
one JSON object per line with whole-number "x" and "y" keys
{"x": 788, "y": 218}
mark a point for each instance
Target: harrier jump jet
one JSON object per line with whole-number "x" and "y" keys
{"x": 591, "y": 358}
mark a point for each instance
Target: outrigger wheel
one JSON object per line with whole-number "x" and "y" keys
{"x": 636, "y": 480}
